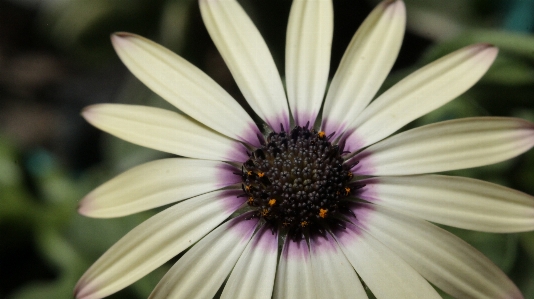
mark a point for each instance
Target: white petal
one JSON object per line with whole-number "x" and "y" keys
{"x": 442, "y": 258}
{"x": 448, "y": 145}
{"x": 155, "y": 241}
{"x": 185, "y": 86}
{"x": 156, "y": 184}
{"x": 164, "y": 130}
{"x": 253, "y": 275}
{"x": 333, "y": 274}
{"x": 455, "y": 201}
{"x": 423, "y": 91}
{"x": 384, "y": 272}
{"x": 309, "y": 40}
{"x": 248, "y": 58}
{"x": 294, "y": 278}
{"x": 200, "y": 272}
{"x": 365, "y": 65}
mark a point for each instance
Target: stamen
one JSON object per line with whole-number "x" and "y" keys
{"x": 297, "y": 181}
{"x": 330, "y": 136}
{"x": 260, "y": 139}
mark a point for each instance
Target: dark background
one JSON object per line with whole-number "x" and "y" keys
{"x": 56, "y": 58}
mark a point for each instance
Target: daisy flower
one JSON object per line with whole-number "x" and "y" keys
{"x": 317, "y": 201}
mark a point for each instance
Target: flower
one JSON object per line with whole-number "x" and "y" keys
{"x": 343, "y": 198}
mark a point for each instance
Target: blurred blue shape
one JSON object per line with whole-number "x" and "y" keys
{"x": 520, "y": 16}
{"x": 39, "y": 162}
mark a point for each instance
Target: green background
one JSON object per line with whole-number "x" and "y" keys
{"x": 56, "y": 58}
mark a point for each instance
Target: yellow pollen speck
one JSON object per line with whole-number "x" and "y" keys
{"x": 347, "y": 190}
{"x": 247, "y": 187}
{"x": 350, "y": 175}
{"x": 322, "y": 213}
{"x": 249, "y": 172}
{"x": 304, "y": 223}
{"x": 264, "y": 212}
{"x": 261, "y": 174}
{"x": 321, "y": 134}
{"x": 250, "y": 200}
{"x": 272, "y": 201}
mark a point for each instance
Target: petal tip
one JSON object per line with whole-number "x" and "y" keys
{"x": 122, "y": 39}
{"x": 81, "y": 291}
{"x": 526, "y": 124}
{"x": 397, "y": 5}
{"x": 84, "y": 207}
{"x": 513, "y": 293}
{"x": 488, "y": 49}
{"x": 529, "y": 127}
{"x": 207, "y": 1}
{"x": 88, "y": 113}
{"x": 116, "y": 37}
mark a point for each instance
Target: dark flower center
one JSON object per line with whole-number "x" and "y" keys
{"x": 296, "y": 181}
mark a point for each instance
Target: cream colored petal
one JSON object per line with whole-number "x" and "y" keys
{"x": 365, "y": 65}
{"x": 423, "y": 91}
{"x": 333, "y": 274}
{"x": 164, "y": 130}
{"x": 448, "y": 145}
{"x": 455, "y": 201}
{"x": 156, "y": 184}
{"x": 185, "y": 86}
{"x": 155, "y": 241}
{"x": 294, "y": 277}
{"x": 309, "y": 40}
{"x": 200, "y": 272}
{"x": 253, "y": 275}
{"x": 442, "y": 258}
{"x": 248, "y": 58}
{"x": 384, "y": 272}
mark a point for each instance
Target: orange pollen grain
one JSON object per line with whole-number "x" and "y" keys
{"x": 247, "y": 187}
{"x": 304, "y": 223}
{"x": 250, "y": 200}
{"x": 350, "y": 175}
{"x": 261, "y": 174}
{"x": 272, "y": 201}
{"x": 322, "y": 213}
{"x": 264, "y": 212}
{"x": 249, "y": 172}
{"x": 321, "y": 134}
{"x": 347, "y": 190}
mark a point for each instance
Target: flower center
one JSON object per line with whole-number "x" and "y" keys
{"x": 296, "y": 180}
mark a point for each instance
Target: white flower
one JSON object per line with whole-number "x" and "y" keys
{"x": 345, "y": 200}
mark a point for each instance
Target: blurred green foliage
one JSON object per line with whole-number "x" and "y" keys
{"x": 39, "y": 195}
